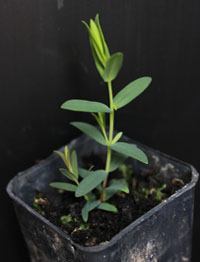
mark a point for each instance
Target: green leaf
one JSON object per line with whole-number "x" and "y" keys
{"x": 117, "y": 137}
{"x": 62, "y": 156}
{"x": 85, "y": 106}
{"x": 105, "y": 47}
{"x": 113, "y": 66}
{"x": 102, "y": 118}
{"x": 74, "y": 163}
{"x": 108, "y": 207}
{"x": 117, "y": 160}
{"x": 97, "y": 61}
{"x": 89, "y": 206}
{"x": 94, "y": 31}
{"x": 69, "y": 175}
{"x": 64, "y": 186}
{"x": 116, "y": 185}
{"x": 90, "y": 182}
{"x": 67, "y": 158}
{"x": 90, "y": 131}
{"x": 131, "y": 91}
{"x": 130, "y": 150}
{"x": 96, "y": 53}
{"x": 83, "y": 172}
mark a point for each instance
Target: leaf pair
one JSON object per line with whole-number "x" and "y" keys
{"x": 125, "y": 96}
{"x": 129, "y": 150}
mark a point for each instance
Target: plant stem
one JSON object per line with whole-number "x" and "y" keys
{"x": 111, "y": 124}
{"x": 111, "y": 130}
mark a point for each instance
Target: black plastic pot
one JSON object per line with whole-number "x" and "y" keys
{"x": 162, "y": 234}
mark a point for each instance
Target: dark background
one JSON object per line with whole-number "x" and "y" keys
{"x": 45, "y": 59}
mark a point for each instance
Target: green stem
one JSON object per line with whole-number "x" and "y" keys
{"x": 111, "y": 130}
{"x": 111, "y": 124}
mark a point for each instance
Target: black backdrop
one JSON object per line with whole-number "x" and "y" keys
{"x": 45, "y": 59}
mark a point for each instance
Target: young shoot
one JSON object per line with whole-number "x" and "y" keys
{"x": 95, "y": 185}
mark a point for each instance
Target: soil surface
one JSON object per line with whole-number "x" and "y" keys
{"x": 64, "y": 210}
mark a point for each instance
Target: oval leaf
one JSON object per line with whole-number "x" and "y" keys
{"x": 131, "y": 91}
{"x": 130, "y": 150}
{"x": 108, "y": 207}
{"x": 64, "y": 186}
{"x": 90, "y": 182}
{"x": 113, "y": 66}
{"x": 85, "y": 106}
{"x": 90, "y": 131}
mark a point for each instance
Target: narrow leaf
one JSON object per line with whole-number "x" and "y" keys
{"x": 68, "y": 174}
{"x": 62, "y": 156}
{"x": 131, "y": 91}
{"x": 97, "y": 61}
{"x": 90, "y": 131}
{"x": 117, "y": 137}
{"x": 67, "y": 158}
{"x": 89, "y": 206}
{"x": 113, "y": 66}
{"x": 106, "y": 50}
{"x": 64, "y": 186}
{"x": 74, "y": 163}
{"x": 95, "y": 52}
{"x": 130, "y": 150}
{"x": 85, "y": 106}
{"x": 108, "y": 207}
{"x": 102, "y": 117}
{"x": 95, "y": 48}
{"x": 90, "y": 182}
{"x": 94, "y": 31}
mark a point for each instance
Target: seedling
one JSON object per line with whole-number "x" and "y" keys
{"x": 156, "y": 193}
{"x": 95, "y": 185}
{"x": 65, "y": 220}
{"x": 39, "y": 203}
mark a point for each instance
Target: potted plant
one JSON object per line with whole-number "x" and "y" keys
{"x": 105, "y": 197}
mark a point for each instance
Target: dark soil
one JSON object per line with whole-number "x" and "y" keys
{"x": 146, "y": 191}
